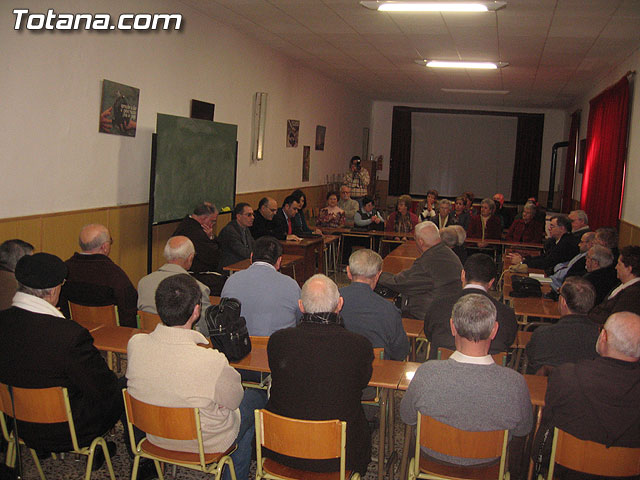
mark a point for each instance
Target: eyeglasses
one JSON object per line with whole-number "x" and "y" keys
{"x": 250, "y": 214}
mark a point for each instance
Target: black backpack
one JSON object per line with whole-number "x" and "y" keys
{"x": 525, "y": 287}
{"x": 228, "y": 330}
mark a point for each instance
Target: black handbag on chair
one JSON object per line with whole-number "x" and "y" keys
{"x": 228, "y": 330}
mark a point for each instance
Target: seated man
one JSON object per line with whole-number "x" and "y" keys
{"x": 269, "y": 299}
{"x": 10, "y": 252}
{"x": 601, "y": 272}
{"x": 318, "y": 371}
{"x": 597, "y": 399}
{"x": 435, "y": 273}
{"x": 199, "y": 228}
{"x": 179, "y": 253}
{"x": 39, "y": 348}
{"x": 284, "y": 228}
{"x": 625, "y": 296}
{"x": 478, "y": 276}
{"x": 167, "y": 367}
{"x": 348, "y": 204}
{"x": 263, "y": 218}
{"x": 579, "y": 224}
{"x": 576, "y": 267}
{"x": 235, "y": 238}
{"x": 574, "y": 337}
{"x": 366, "y": 312}
{"x": 560, "y": 248}
{"x": 95, "y": 280}
{"x": 469, "y": 391}
{"x": 608, "y": 237}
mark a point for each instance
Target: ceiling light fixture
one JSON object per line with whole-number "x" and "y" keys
{"x": 409, "y": 6}
{"x": 460, "y": 64}
{"x": 478, "y": 92}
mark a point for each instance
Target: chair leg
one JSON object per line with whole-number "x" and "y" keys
{"x": 134, "y": 470}
{"x": 34, "y": 455}
{"x": 158, "y": 470}
{"x": 10, "y": 459}
{"x": 226, "y": 460}
{"x": 92, "y": 450}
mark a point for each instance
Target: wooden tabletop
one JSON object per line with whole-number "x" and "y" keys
{"x": 536, "y": 307}
{"x": 408, "y": 249}
{"x": 413, "y": 327}
{"x": 114, "y": 339}
{"x": 537, "y": 389}
{"x": 303, "y": 242}
{"x": 287, "y": 261}
{"x": 396, "y": 264}
{"x": 409, "y": 370}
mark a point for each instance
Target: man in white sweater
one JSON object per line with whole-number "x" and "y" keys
{"x": 168, "y": 368}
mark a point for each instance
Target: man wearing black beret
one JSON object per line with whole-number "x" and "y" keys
{"x": 40, "y": 348}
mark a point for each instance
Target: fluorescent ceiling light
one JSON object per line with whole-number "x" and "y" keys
{"x": 478, "y": 92}
{"x": 460, "y": 64}
{"x": 400, "y": 6}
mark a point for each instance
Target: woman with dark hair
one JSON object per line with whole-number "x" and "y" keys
{"x": 459, "y": 211}
{"x": 300, "y": 219}
{"x": 402, "y": 220}
{"x": 430, "y": 206}
{"x": 331, "y": 216}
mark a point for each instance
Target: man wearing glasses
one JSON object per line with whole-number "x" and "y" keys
{"x": 235, "y": 238}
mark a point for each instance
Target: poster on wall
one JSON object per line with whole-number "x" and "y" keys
{"x": 320, "y": 132}
{"x": 306, "y": 160}
{"x": 119, "y": 109}
{"x": 293, "y": 129}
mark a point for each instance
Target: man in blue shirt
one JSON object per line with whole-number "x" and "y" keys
{"x": 367, "y": 313}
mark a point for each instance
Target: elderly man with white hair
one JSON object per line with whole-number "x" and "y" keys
{"x": 598, "y": 399}
{"x": 318, "y": 371}
{"x": 369, "y": 314}
{"x": 436, "y": 272}
{"x": 179, "y": 253}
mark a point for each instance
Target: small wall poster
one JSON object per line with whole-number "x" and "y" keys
{"x": 293, "y": 129}
{"x": 320, "y": 132}
{"x": 306, "y": 161}
{"x": 119, "y": 109}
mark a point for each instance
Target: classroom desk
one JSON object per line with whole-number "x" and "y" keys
{"x": 288, "y": 261}
{"x": 414, "y": 329}
{"x": 408, "y": 249}
{"x": 536, "y": 307}
{"x": 396, "y": 264}
{"x": 311, "y": 249}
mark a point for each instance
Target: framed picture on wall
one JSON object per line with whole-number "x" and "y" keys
{"x": 119, "y": 109}
{"x": 320, "y": 132}
{"x": 293, "y": 129}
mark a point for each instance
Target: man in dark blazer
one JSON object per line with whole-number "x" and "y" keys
{"x": 434, "y": 274}
{"x": 318, "y": 372}
{"x": 601, "y": 272}
{"x": 561, "y": 248}
{"x": 263, "y": 218}
{"x": 235, "y": 239}
{"x": 284, "y": 228}
{"x": 478, "y": 276}
{"x": 40, "y": 348}
{"x": 625, "y": 296}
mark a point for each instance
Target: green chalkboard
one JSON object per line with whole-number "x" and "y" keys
{"x": 194, "y": 161}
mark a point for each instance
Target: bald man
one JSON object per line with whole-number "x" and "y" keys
{"x": 436, "y": 273}
{"x": 179, "y": 253}
{"x": 94, "y": 279}
{"x": 263, "y": 224}
{"x": 599, "y": 399}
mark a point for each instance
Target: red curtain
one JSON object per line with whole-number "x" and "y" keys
{"x": 606, "y": 153}
{"x": 569, "y": 169}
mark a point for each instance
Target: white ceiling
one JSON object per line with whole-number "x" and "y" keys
{"x": 557, "y": 49}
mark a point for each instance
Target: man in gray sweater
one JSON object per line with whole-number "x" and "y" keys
{"x": 469, "y": 391}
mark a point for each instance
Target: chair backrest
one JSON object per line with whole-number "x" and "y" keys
{"x": 214, "y": 300}
{"x": 500, "y": 358}
{"x": 308, "y": 439}
{"x": 166, "y": 422}
{"x": 259, "y": 340}
{"x": 148, "y": 321}
{"x": 593, "y": 458}
{"x": 452, "y": 441}
{"x": 105, "y": 315}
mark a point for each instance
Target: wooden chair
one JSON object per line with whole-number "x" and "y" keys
{"x": 316, "y": 440}
{"x": 592, "y": 458}
{"x": 447, "y": 440}
{"x": 148, "y": 321}
{"x": 104, "y": 315}
{"x": 48, "y": 405}
{"x": 500, "y": 358}
{"x": 175, "y": 424}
